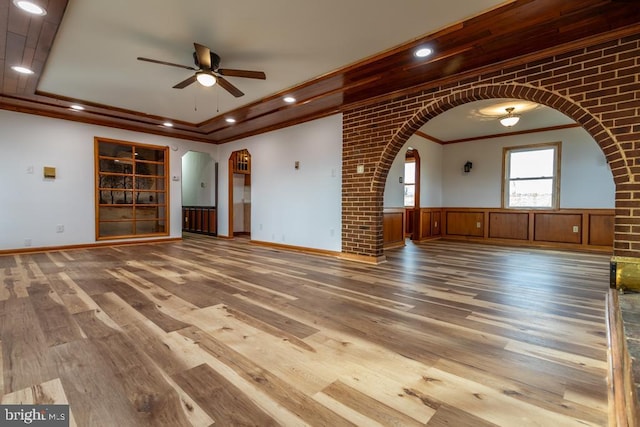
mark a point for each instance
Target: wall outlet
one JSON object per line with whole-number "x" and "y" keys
{"x": 575, "y": 229}
{"x": 59, "y": 228}
{"x": 27, "y": 242}
{"x": 360, "y": 169}
{"x": 478, "y": 224}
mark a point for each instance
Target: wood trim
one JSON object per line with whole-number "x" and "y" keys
{"x": 365, "y": 259}
{"x": 519, "y": 227}
{"x": 430, "y": 138}
{"x": 295, "y": 248}
{"x": 88, "y": 245}
{"x": 509, "y": 134}
{"x": 623, "y": 402}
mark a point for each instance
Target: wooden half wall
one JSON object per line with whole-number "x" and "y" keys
{"x": 584, "y": 229}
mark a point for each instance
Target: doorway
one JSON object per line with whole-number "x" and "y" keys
{"x": 199, "y": 193}
{"x": 240, "y": 193}
{"x": 412, "y": 193}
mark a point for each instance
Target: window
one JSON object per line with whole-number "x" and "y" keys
{"x": 131, "y": 189}
{"x": 410, "y": 183}
{"x": 532, "y": 175}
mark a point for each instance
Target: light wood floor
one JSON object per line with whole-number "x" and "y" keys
{"x": 206, "y": 330}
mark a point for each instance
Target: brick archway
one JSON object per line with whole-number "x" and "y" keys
{"x": 598, "y": 86}
{"x": 603, "y": 137}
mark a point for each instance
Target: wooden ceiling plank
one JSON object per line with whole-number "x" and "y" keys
{"x": 15, "y": 48}
{"x": 4, "y": 27}
{"x": 18, "y": 20}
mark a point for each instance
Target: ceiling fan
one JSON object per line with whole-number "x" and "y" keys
{"x": 208, "y": 71}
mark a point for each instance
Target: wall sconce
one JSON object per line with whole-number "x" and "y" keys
{"x": 467, "y": 167}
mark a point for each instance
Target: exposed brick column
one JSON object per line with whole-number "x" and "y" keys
{"x": 598, "y": 86}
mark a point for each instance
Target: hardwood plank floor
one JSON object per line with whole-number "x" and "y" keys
{"x": 215, "y": 332}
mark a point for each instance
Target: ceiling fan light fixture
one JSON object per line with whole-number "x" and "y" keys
{"x": 206, "y": 79}
{"x": 510, "y": 119}
{"x": 30, "y": 7}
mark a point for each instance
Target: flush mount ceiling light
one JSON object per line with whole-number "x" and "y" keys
{"x": 21, "y": 70}
{"x": 230, "y": 120}
{"x": 76, "y": 107}
{"x": 289, "y": 99}
{"x": 206, "y": 79}
{"x": 167, "y": 124}
{"x": 30, "y": 7}
{"x": 423, "y": 52}
{"x": 510, "y": 119}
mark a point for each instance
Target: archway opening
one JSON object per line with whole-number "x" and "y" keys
{"x": 469, "y": 146}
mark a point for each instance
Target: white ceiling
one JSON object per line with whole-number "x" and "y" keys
{"x": 94, "y": 54}
{"x": 481, "y": 118}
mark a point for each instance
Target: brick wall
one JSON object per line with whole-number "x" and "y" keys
{"x": 597, "y": 86}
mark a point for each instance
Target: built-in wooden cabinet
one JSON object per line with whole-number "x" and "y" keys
{"x": 131, "y": 189}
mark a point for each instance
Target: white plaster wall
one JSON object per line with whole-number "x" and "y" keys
{"x": 430, "y": 174}
{"x": 586, "y": 180}
{"x": 31, "y": 207}
{"x": 198, "y": 179}
{"x": 288, "y": 206}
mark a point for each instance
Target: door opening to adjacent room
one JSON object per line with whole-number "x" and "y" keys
{"x": 240, "y": 193}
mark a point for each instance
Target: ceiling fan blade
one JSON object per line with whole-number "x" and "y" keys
{"x": 242, "y": 73}
{"x": 185, "y": 83}
{"x": 229, "y": 87}
{"x": 204, "y": 56}
{"x": 155, "y": 61}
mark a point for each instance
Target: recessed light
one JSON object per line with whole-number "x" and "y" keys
{"x": 289, "y": 99}
{"x": 423, "y": 52}
{"x": 230, "y": 120}
{"x": 21, "y": 70}
{"x": 167, "y": 124}
{"x": 30, "y": 7}
{"x": 76, "y": 107}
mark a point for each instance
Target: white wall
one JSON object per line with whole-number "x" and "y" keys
{"x": 31, "y": 207}
{"x": 198, "y": 179}
{"x": 586, "y": 180}
{"x": 288, "y": 206}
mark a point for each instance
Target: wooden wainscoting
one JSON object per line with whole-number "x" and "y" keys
{"x": 590, "y": 229}
{"x": 428, "y": 227}
{"x": 199, "y": 219}
{"x": 393, "y": 224}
